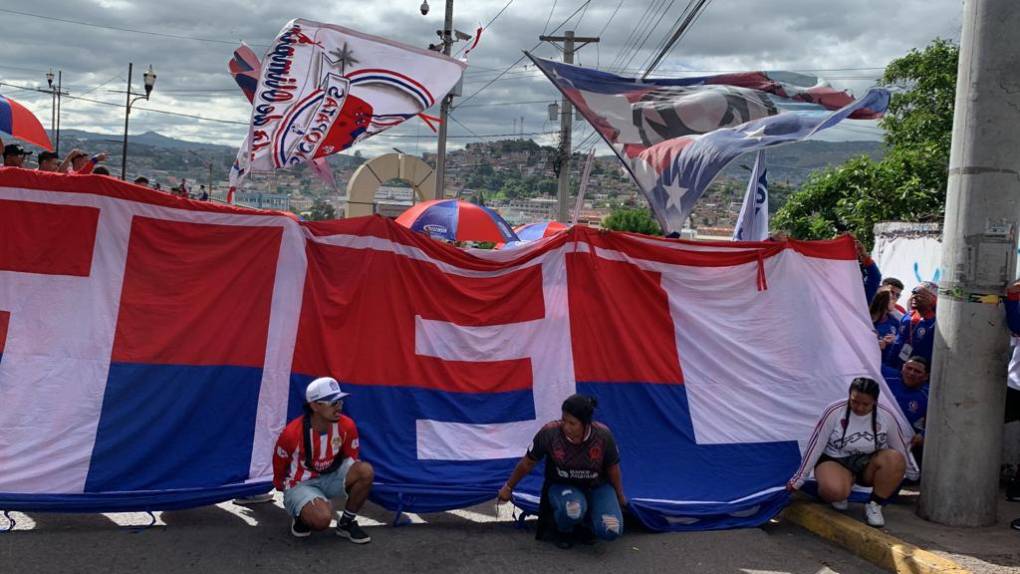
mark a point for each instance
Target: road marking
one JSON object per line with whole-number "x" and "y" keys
{"x": 134, "y": 519}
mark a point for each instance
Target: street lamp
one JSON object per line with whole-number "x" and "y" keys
{"x": 53, "y": 103}
{"x": 150, "y": 80}
{"x": 55, "y": 92}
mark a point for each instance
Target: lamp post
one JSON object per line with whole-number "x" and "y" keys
{"x": 150, "y": 80}
{"x": 53, "y": 103}
{"x": 446, "y": 34}
{"x": 55, "y": 92}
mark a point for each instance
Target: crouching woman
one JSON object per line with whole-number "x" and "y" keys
{"x": 857, "y": 440}
{"x": 582, "y": 495}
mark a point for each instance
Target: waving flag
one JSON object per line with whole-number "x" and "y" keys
{"x": 134, "y": 377}
{"x": 676, "y": 135}
{"x": 753, "y": 221}
{"x": 245, "y": 68}
{"x": 322, "y": 88}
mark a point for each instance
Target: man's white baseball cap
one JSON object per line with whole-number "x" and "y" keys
{"x": 324, "y": 389}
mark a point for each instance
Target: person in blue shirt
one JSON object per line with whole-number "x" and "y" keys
{"x": 909, "y": 386}
{"x": 869, "y": 271}
{"x": 916, "y": 334}
{"x": 886, "y": 325}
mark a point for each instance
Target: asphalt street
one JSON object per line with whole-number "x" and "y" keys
{"x": 228, "y": 538}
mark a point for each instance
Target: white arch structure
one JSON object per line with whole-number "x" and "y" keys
{"x": 373, "y": 173}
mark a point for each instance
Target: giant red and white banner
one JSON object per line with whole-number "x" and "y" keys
{"x": 152, "y": 348}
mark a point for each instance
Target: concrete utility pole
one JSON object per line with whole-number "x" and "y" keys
{"x": 566, "y": 118}
{"x": 444, "y": 109}
{"x": 963, "y": 446}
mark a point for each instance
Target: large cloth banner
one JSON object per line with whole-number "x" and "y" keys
{"x": 152, "y": 349}
{"x": 675, "y": 135}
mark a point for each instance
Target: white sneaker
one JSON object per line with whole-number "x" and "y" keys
{"x": 256, "y": 499}
{"x": 873, "y": 512}
{"x": 841, "y": 505}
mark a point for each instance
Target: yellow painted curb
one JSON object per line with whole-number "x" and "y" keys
{"x": 869, "y": 543}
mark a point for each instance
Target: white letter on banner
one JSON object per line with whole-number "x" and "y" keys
{"x": 545, "y": 341}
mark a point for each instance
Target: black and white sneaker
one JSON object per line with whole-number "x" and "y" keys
{"x": 351, "y": 531}
{"x": 253, "y": 500}
{"x": 299, "y": 529}
{"x": 1015, "y": 525}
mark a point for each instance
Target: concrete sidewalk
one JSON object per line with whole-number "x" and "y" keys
{"x": 909, "y": 544}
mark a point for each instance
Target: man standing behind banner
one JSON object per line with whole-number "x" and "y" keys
{"x": 917, "y": 330}
{"x": 316, "y": 459}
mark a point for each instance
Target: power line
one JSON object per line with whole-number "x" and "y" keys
{"x": 549, "y": 19}
{"x": 94, "y": 88}
{"x": 123, "y": 29}
{"x": 116, "y": 105}
{"x": 678, "y": 33}
{"x": 651, "y": 30}
{"x": 486, "y": 27}
{"x": 636, "y": 32}
{"x": 603, "y": 30}
{"x": 523, "y": 56}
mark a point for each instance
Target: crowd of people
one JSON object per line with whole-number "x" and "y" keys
{"x": 857, "y": 440}
{"x": 81, "y": 163}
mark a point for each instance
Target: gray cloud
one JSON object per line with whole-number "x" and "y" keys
{"x": 855, "y": 39}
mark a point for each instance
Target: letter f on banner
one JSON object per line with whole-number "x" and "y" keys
{"x": 545, "y": 342}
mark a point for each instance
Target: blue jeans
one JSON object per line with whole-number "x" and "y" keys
{"x": 572, "y": 505}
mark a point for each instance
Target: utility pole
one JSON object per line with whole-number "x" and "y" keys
{"x": 570, "y": 45}
{"x": 60, "y": 92}
{"x": 444, "y": 108}
{"x": 963, "y": 444}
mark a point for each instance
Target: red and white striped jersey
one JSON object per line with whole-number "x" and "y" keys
{"x": 289, "y": 456}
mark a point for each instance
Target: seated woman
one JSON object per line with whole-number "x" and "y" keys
{"x": 582, "y": 487}
{"x": 857, "y": 440}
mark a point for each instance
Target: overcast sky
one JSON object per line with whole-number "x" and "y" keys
{"x": 847, "y": 42}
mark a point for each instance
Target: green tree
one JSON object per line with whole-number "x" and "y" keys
{"x": 321, "y": 211}
{"x": 636, "y": 220}
{"x": 513, "y": 189}
{"x": 909, "y": 183}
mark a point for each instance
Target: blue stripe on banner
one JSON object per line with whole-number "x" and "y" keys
{"x": 385, "y": 417}
{"x": 662, "y": 461}
{"x": 6, "y": 117}
{"x": 652, "y": 425}
{"x": 174, "y": 427}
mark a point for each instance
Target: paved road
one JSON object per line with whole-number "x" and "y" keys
{"x": 227, "y": 538}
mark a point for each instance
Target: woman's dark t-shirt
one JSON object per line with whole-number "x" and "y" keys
{"x": 583, "y": 464}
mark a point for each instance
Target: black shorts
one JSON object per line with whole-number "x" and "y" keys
{"x": 1012, "y": 405}
{"x": 855, "y": 463}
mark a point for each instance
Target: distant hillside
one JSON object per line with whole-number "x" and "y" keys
{"x": 167, "y": 159}
{"x": 793, "y": 163}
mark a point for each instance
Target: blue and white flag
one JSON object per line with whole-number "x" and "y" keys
{"x": 753, "y": 221}
{"x": 675, "y": 135}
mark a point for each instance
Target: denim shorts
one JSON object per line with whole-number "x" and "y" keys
{"x": 324, "y": 486}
